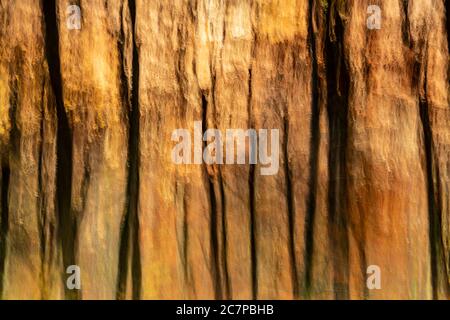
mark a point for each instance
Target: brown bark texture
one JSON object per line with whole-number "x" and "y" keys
{"x": 87, "y": 178}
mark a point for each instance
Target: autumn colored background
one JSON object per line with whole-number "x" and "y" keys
{"x": 86, "y": 176}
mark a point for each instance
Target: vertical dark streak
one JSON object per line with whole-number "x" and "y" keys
{"x": 290, "y": 201}
{"x": 406, "y": 35}
{"x": 130, "y": 227}
{"x": 291, "y": 209}
{"x": 434, "y": 196}
{"x": 433, "y": 214}
{"x": 252, "y": 195}
{"x": 223, "y": 269}
{"x": 224, "y": 239}
{"x": 213, "y": 214}
{"x": 5, "y": 178}
{"x": 314, "y": 154}
{"x": 337, "y": 105}
{"x": 125, "y": 245}
{"x": 67, "y": 222}
{"x": 253, "y": 232}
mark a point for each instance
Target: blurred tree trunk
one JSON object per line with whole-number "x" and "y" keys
{"x": 86, "y": 118}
